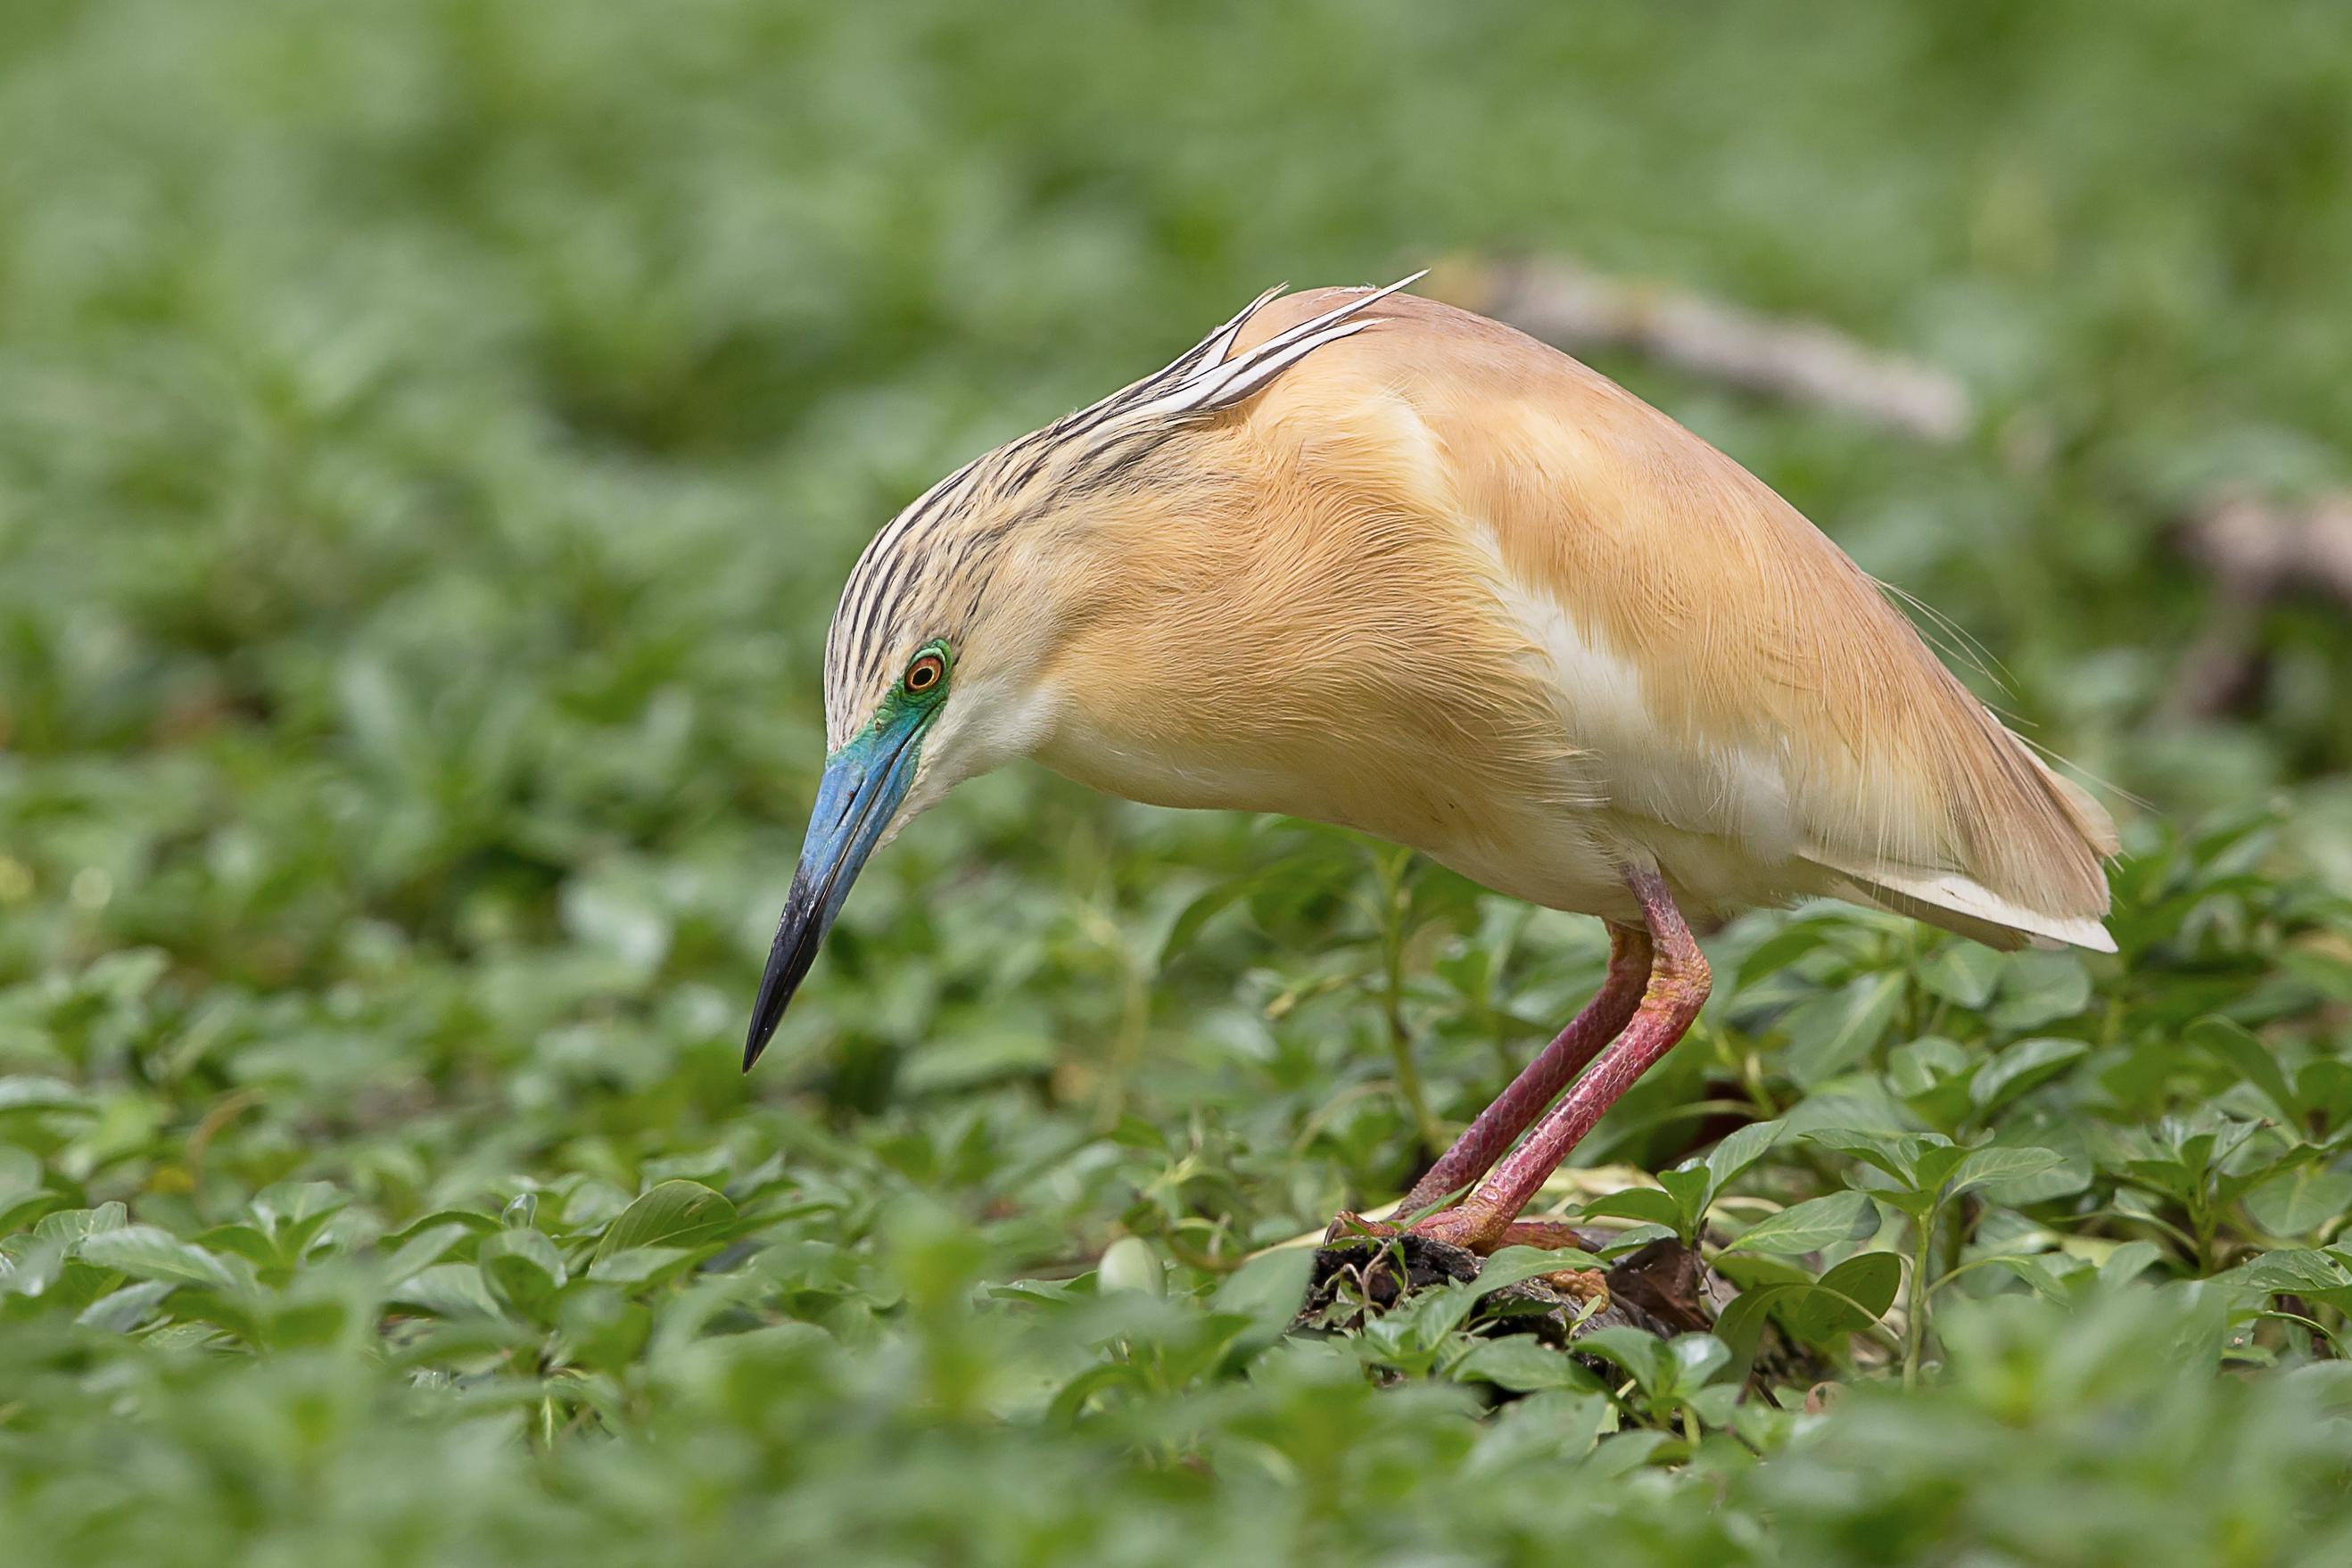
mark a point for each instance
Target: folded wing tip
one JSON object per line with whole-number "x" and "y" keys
{"x": 1959, "y": 903}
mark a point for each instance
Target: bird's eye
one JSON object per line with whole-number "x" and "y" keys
{"x": 925, "y": 673}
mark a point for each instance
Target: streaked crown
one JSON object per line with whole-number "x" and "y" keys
{"x": 925, "y": 575}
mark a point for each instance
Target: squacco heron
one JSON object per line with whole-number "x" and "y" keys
{"x": 1367, "y": 559}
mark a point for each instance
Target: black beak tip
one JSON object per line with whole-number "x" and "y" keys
{"x": 776, "y": 988}
{"x": 797, "y": 936}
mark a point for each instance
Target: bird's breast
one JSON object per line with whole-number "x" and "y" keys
{"x": 1520, "y": 837}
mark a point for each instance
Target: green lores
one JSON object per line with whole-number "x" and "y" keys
{"x": 863, "y": 783}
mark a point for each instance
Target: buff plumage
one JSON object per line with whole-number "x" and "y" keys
{"x": 1364, "y": 558}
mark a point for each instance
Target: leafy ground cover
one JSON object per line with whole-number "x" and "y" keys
{"x": 430, "y": 438}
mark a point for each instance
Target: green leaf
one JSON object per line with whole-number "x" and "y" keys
{"x": 144, "y": 1252}
{"x": 2300, "y": 1200}
{"x": 1984, "y": 1167}
{"x": 1808, "y": 1226}
{"x": 2052, "y": 1276}
{"x": 532, "y": 1246}
{"x": 472, "y": 1223}
{"x": 1513, "y": 1264}
{"x": 293, "y": 1202}
{"x": 1754, "y": 1270}
{"x": 1963, "y": 973}
{"x": 71, "y": 1225}
{"x": 635, "y": 1265}
{"x": 1646, "y": 1204}
{"x": 1269, "y": 1288}
{"x": 1691, "y": 1361}
{"x": 2039, "y": 988}
{"x": 2231, "y": 1186}
{"x": 1072, "y": 1400}
{"x": 1827, "y": 1036}
{"x": 1741, "y": 1325}
{"x": 2293, "y": 1270}
{"x": 2020, "y": 1068}
{"x": 1524, "y": 1365}
{"x": 2170, "y": 1177}
{"x": 1201, "y": 909}
{"x": 1634, "y": 1239}
{"x": 2243, "y": 1050}
{"x": 1414, "y": 1331}
{"x": 1892, "y": 1153}
{"x": 1935, "y": 1164}
{"x": 448, "y": 1290}
{"x": 28, "y": 1093}
{"x": 1932, "y": 1080}
{"x": 126, "y": 1309}
{"x": 35, "y": 1269}
{"x": 242, "y": 1240}
{"x": 1643, "y": 1356}
{"x": 421, "y": 1251}
{"x": 1869, "y": 1279}
{"x": 1715, "y": 1405}
{"x": 1923, "y": 1065}
{"x": 1690, "y": 1186}
{"x": 1782, "y": 949}
{"x": 25, "y": 1211}
{"x": 1740, "y": 1149}
{"x": 675, "y": 1214}
{"x": 2128, "y": 1262}
{"x": 522, "y": 1270}
{"x": 950, "y": 1066}
{"x": 2323, "y": 1088}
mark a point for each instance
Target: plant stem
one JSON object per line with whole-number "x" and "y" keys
{"x": 1914, "y": 1327}
{"x": 1956, "y": 1240}
{"x": 1416, "y": 1099}
{"x": 1398, "y": 902}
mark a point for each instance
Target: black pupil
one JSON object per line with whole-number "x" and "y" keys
{"x": 924, "y": 674}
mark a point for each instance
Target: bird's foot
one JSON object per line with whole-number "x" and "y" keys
{"x": 1348, "y": 1225}
{"x": 1473, "y": 1227}
{"x": 1469, "y": 1225}
{"x": 1368, "y": 1267}
{"x": 1551, "y": 1235}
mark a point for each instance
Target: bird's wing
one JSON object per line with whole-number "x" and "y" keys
{"x": 1732, "y": 672}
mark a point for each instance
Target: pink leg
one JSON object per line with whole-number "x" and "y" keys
{"x": 1677, "y": 989}
{"x": 1476, "y": 1151}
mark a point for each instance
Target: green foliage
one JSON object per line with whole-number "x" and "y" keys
{"x": 431, "y": 437}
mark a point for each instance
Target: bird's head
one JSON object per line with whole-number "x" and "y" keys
{"x": 938, "y": 664}
{"x": 931, "y": 676}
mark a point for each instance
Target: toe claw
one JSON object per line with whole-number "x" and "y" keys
{"x": 1474, "y": 1229}
{"x": 1348, "y": 1225}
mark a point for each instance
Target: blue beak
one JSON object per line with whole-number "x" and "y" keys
{"x": 863, "y": 783}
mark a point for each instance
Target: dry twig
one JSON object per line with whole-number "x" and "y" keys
{"x": 1804, "y": 361}
{"x": 2257, "y": 551}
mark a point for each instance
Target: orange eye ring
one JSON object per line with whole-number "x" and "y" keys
{"x": 925, "y": 673}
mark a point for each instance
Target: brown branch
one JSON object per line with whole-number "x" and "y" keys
{"x": 1801, "y": 361}
{"x": 2257, "y": 551}
{"x": 2261, "y": 549}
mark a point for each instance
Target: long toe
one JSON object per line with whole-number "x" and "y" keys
{"x": 1469, "y": 1225}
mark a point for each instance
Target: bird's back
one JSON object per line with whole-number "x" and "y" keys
{"x": 1727, "y": 681}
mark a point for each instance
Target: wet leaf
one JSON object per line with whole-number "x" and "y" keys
{"x": 1812, "y": 1224}
{"x": 1868, "y": 1281}
{"x": 674, "y": 1214}
{"x": 144, "y": 1252}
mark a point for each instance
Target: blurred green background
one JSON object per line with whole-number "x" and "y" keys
{"x": 432, "y": 436}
